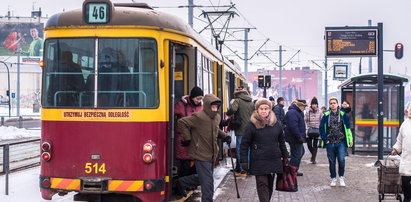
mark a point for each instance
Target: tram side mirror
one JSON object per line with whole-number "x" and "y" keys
{"x": 8, "y": 93}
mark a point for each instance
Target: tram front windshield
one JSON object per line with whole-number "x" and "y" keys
{"x": 118, "y": 73}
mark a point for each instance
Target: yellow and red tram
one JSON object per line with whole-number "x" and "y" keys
{"x": 111, "y": 76}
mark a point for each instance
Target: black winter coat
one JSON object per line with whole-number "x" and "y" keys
{"x": 266, "y": 144}
{"x": 295, "y": 127}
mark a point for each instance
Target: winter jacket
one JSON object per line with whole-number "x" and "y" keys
{"x": 245, "y": 107}
{"x": 295, "y": 125}
{"x": 202, "y": 130}
{"x": 325, "y": 123}
{"x": 183, "y": 108}
{"x": 279, "y": 112}
{"x": 403, "y": 146}
{"x": 266, "y": 144}
{"x": 312, "y": 119}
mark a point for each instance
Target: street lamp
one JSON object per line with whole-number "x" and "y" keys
{"x": 8, "y": 84}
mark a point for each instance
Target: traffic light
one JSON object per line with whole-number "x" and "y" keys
{"x": 268, "y": 81}
{"x": 261, "y": 81}
{"x": 399, "y": 50}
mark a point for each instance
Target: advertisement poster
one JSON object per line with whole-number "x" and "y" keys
{"x": 29, "y": 35}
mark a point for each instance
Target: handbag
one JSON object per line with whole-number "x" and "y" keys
{"x": 312, "y": 132}
{"x": 287, "y": 181}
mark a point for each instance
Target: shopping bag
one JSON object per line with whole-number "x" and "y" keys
{"x": 231, "y": 133}
{"x": 287, "y": 181}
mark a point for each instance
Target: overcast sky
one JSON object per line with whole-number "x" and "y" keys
{"x": 295, "y": 24}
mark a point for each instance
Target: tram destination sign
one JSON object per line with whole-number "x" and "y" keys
{"x": 351, "y": 42}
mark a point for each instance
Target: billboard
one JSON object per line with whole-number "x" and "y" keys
{"x": 29, "y": 35}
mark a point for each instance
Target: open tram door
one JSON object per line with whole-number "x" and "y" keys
{"x": 181, "y": 80}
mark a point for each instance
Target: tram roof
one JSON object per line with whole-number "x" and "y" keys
{"x": 373, "y": 79}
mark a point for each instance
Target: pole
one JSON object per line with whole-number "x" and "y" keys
{"x": 232, "y": 164}
{"x": 246, "y": 53}
{"x": 190, "y": 13}
{"x": 18, "y": 78}
{"x": 369, "y": 58}
{"x": 8, "y": 85}
{"x": 359, "y": 68}
{"x": 281, "y": 71}
{"x": 326, "y": 84}
{"x": 380, "y": 93}
{"x": 265, "y": 92}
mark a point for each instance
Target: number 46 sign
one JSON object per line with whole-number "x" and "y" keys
{"x": 97, "y": 12}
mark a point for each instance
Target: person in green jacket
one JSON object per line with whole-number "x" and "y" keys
{"x": 243, "y": 107}
{"x": 336, "y": 134}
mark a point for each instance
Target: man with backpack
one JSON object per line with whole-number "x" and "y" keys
{"x": 241, "y": 107}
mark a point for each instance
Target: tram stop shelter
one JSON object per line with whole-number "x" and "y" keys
{"x": 362, "y": 94}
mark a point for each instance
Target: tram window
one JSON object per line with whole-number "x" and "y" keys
{"x": 127, "y": 75}
{"x": 64, "y": 75}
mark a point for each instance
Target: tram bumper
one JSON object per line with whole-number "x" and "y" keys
{"x": 101, "y": 185}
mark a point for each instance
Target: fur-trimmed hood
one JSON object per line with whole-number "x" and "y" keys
{"x": 259, "y": 123}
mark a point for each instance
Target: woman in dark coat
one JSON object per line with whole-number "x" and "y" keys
{"x": 264, "y": 137}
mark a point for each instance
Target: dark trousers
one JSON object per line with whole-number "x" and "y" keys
{"x": 186, "y": 168}
{"x": 406, "y": 187}
{"x": 265, "y": 184}
{"x": 312, "y": 144}
{"x": 297, "y": 153}
{"x": 204, "y": 178}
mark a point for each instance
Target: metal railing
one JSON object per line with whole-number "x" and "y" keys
{"x": 20, "y": 155}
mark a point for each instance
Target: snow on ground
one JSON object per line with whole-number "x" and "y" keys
{"x": 24, "y": 187}
{"x": 11, "y": 133}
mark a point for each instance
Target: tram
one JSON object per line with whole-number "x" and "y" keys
{"x": 111, "y": 76}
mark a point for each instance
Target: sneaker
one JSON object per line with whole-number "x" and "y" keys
{"x": 300, "y": 174}
{"x": 342, "y": 183}
{"x": 333, "y": 182}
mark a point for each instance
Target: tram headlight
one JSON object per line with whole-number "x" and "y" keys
{"x": 45, "y": 146}
{"x": 46, "y": 156}
{"x": 46, "y": 182}
{"x": 147, "y": 158}
{"x": 148, "y": 147}
{"x": 148, "y": 185}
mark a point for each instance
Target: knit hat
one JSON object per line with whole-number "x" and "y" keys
{"x": 314, "y": 101}
{"x": 271, "y": 98}
{"x": 301, "y": 103}
{"x": 264, "y": 101}
{"x": 195, "y": 92}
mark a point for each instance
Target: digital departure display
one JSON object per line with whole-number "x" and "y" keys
{"x": 351, "y": 43}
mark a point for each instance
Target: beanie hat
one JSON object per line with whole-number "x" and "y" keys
{"x": 195, "y": 92}
{"x": 314, "y": 101}
{"x": 301, "y": 103}
{"x": 264, "y": 101}
{"x": 271, "y": 98}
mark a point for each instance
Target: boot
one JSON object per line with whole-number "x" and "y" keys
{"x": 313, "y": 155}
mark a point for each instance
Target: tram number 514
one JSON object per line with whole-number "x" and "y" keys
{"x": 96, "y": 168}
{"x": 97, "y": 13}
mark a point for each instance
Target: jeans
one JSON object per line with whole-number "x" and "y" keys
{"x": 336, "y": 151}
{"x": 237, "y": 146}
{"x": 297, "y": 153}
